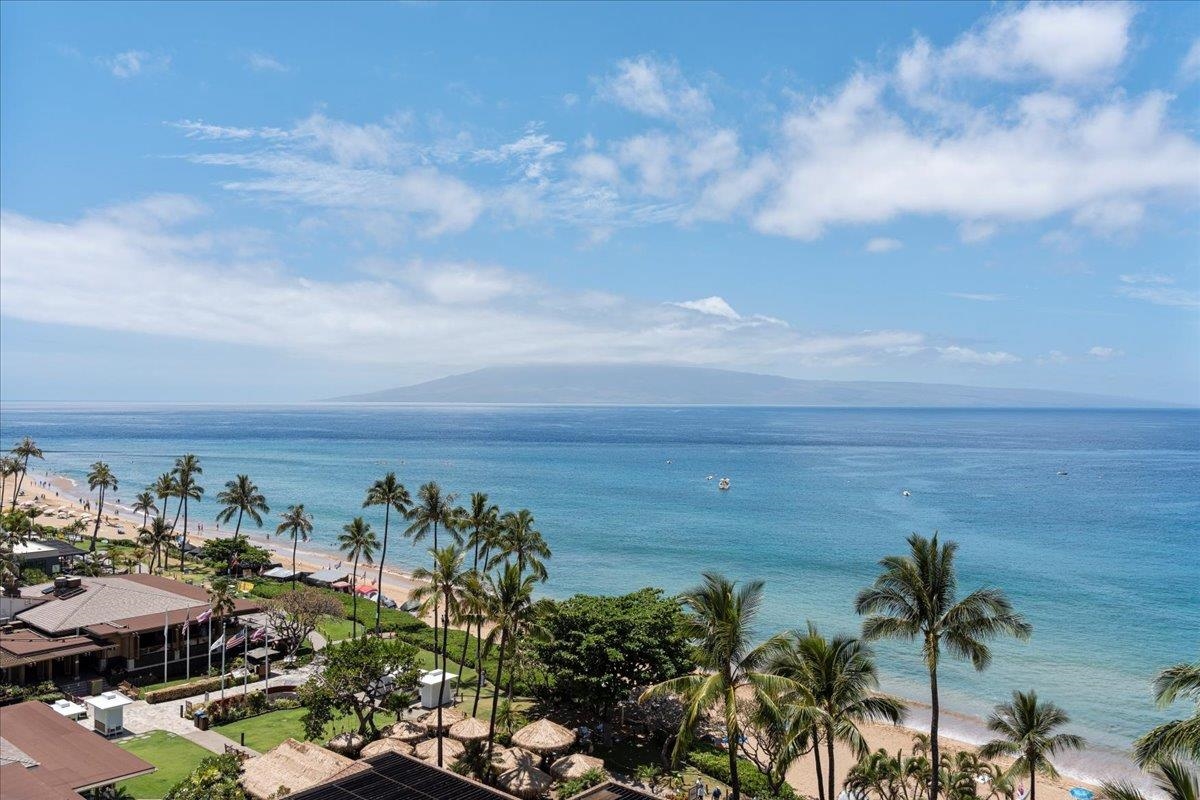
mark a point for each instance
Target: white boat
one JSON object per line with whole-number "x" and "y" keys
{"x": 723, "y": 484}
{"x": 906, "y": 493}
{"x": 1062, "y": 472}
{"x": 710, "y": 477}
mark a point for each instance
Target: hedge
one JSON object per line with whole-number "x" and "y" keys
{"x": 183, "y": 690}
{"x": 715, "y": 762}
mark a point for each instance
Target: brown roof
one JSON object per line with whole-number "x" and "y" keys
{"x": 613, "y": 791}
{"x": 69, "y": 757}
{"x": 23, "y": 784}
{"x": 27, "y": 646}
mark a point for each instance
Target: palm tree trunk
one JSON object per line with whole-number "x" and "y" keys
{"x": 935, "y": 765}
{"x": 354, "y": 601}
{"x": 829, "y": 750}
{"x": 238, "y": 529}
{"x": 731, "y": 733}
{"x": 387, "y": 514}
{"x": 442, "y": 688}
{"x": 478, "y": 667}
{"x": 496, "y": 693}
{"x": 96, "y": 528}
{"x": 435, "y": 596}
{"x": 20, "y": 480}
{"x": 295, "y": 540}
{"x": 1032, "y": 783}
{"x": 817, "y": 757}
{"x": 183, "y": 542}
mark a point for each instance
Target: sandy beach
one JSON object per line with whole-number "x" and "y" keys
{"x": 1078, "y": 769}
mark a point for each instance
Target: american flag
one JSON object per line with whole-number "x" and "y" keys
{"x": 236, "y": 640}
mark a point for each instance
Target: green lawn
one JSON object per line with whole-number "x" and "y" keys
{"x": 174, "y": 756}
{"x": 337, "y": 629}
{"x": 267, "y": 730}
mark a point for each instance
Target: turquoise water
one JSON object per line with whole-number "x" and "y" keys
{"x": 1103, "y": 561}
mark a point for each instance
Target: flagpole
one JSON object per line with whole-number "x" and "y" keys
{"x": 222, "y": 660}
{"x": 267, "y": 657}
{"x": 209, "y": 672}
{"x": 165, "y": 644}
{"x": 245, "y": 664}
{"x": 188, "y": 634}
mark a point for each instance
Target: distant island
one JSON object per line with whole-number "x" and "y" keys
{"x": 642, "y": 384}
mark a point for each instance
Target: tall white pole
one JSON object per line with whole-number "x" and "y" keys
{"x": 209, "y": 642}
{"x": 245, "y": 663}
{"x": 165, "y": 646}
{"x": 267, "y": 656}
{"x": 223, "y": 644}
{"x": 188, "y": 634}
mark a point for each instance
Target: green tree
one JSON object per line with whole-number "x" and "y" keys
{"x": 293, "y": 615}
{"x": 157, "y": 537}
{"x": 720, "y": 622}
{"x": 358, "y": 676}
{"x": 391, "y": 494}
{"x": 1027, "y": 728}
{"x": 99, "y": 477}
{"x": 520, "y": 540}
{"x": 296, "y": 523}
{"x": 222, "y": 597}
{"x": 915, "y": 596}
{"x": 357, "y": 540}
{"x": 165, "y": 487}
{"x": 511, "y": 603}
{"x": 9, "y": 466}
{"x": 216, "y": 778}
{"x": 144, "y": 502}
{"x": 1174, "y": 778}
{"x": 433, "y": 510}
{"x": 596, "y": 649}
{"x": 187, "y": 469}
{"x": 479, "y": 522}
{"x": 444, "y": 585}
{"x": 242, "y": 497}
{"x": 1181, "y": 737}
{"x": 21, "y": 453}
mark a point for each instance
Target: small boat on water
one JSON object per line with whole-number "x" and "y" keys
{"x": 710, "y": 477}
{"x": 1062, "y": 472}
{"x": 723, "y": 484}
{"x": 906, "y": 493}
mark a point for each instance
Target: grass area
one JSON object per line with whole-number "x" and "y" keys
{"x": 268, "y": 730}
{"x": 627, "y": 755}
{"x": 174, "y": 756}
{"x": 337, "y": 629}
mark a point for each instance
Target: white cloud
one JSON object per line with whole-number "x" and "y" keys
{"x": 655, "y": 88}
{"x": 570, "y": 99}
{"x": 1104, "y": 353}
{"x": 883, "y": 245}
{"x": 261, "y": 62}
{"x": 1053, "y": 357}
{"x": 965, "y": 355}
{"x": 532, "y": 152}
{"x": 980, "y": 297}
{"x": 1189, "y": 68}
{"x": 132, "y": 63}
{"x": 973, "y": 232}
{"x": 1152, "y": 278}
{"x": 1157, "y": 289}
{"x": 146, "y": 268}
{"x": 597, "y": 168}
{"x": 198, "y": 129}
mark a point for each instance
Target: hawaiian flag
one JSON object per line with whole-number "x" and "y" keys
{"x": 236, "y": 640}
{"x": 205, "y": 616}
{"x": 258, "y": 635}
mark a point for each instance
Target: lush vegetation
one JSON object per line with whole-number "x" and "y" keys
{"x": 266, "y": 731}
{"x": 174, "y": 756}
{"x": 216, "y": 778}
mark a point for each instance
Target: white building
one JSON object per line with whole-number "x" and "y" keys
{"x": 108, "y": 712}
{"x": 431, "y": 682}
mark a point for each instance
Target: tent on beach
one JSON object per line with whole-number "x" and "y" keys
{"x": 282, "y": 574}
{"x": 327, "y": 577}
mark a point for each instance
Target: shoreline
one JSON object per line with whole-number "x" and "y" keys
{"x": 958, "y": 731}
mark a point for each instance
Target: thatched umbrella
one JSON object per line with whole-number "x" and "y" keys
{"x": 544, "y": 736}
{"x": 526, "y": 781}
{"x": 380, "y": 746}
{"x": 348, "y": 744}
{"x": 513, "y": 757}
{"x": 449, "y": 717}
{"x": 469, "y": 730}
{"x": 451, "y": 750}
{"x": 574, "y": 766}
{"x": 407, "y": 731}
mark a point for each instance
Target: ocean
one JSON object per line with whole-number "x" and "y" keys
{"x": 1102, "y": 560}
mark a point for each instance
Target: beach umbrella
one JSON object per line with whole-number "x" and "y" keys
{"x": 469, "y": 730}
{"x": 526, "y": 781}
{"x": 381, "y": 746}
{"x": 1079, "y": 793}
{"x": 575, "y": 766}
{"x": 544, "y": 736}
{"x": 451, "y": 750}
{"x": 407, "y": 731}
{"x": 450, "y": 716}
{"x": 346, "y": 744}
{"x": 512, "y": 757}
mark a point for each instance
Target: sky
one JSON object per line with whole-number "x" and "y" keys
{"x": 271, "y": 202}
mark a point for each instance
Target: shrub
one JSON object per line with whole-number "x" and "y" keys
{"x": 216, "y": 778}
{"x": 44, "y": 692}
{"x": 715, "y": 762}
{"x": 182, "y": 690}
{"x": 31, "y": 576}
{"x": 593, "y": 777}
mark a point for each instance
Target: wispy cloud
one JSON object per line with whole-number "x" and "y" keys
{"x": 966, "y": 355}
{"x": 882, "y": 245}
{"x": 261, "y": 62}
{"x": 1104, "y": 353}
{"x": 979, "y": 297}
{"x": 655, "y": 88}
{"x": 131, "y": 63}
{"x": 1157, "y": 289}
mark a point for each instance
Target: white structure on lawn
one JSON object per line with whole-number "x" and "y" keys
{"x": 108, "y": 712}
{"x": 431, "y": 682}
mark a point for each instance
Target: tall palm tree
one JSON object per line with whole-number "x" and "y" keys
{"x": 837, "y": 683}
{"x": 157, "y": 537}
{"x": 433, "y": 509}
{"x": 1181, "y": 737}
{"x": 519, "y": 539}
{"x": 477, "y": 522}
{"x": 916, "y": 596}
{"x": 445, "y": 584}
{"x": 164, "y": 487}
{"x": 8, "y": 466}
{"x": 473, "y": 611}
{"x": 297, "y": 523}
{"x": 720, "y": 621}
{"x": 23, "y": 451}
{"x": 1175, "y": 780}
{"x": 1027, "y": 735}
{"x": 144, "y": 502}
{"x": 510, "y": 603}
{"x": 99, "y": 477}
{"x": 357, "y": 540}
{"x": 391, "y": 494}
{"x": 187, "y": 468}
{"x": 242, "y": 497}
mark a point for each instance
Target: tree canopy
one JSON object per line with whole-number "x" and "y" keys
{"x": 360, "y": 675}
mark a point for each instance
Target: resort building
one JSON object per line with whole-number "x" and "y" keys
{"x": 114, "y": 626}
{"x": 51, "y": 556}
{"x": 46, "y": 756}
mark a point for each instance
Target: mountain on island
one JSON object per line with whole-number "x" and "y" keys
{"x": 639, "y": 384}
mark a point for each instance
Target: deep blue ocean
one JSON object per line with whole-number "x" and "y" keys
{"x": 1105, "y": 561}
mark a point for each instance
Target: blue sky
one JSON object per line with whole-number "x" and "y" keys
{"x": 273, "y": 202}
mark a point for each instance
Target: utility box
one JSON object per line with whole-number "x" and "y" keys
{"x": 431, "y": 682}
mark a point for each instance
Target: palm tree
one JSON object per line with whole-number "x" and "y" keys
{"x": 222, "y": 597}
{"x": 295, "y": 522}
{"x": 720, "y": 621}
{"x": 357, "y": 540}
{"x": 518, "y": 538}
{"x": 510, "y": 601}
{"x": 144, "y": 502}
{"x": 479, "y": 520}
{"x": 473, "y": 610}
{"x": 187, "y": 467}
{"x": 445, "y": 583}
{"x": 164, "y": 487}
{"x": 837, "y": 682}
{"x": 1175, "y": 780}
{"x": 915, "y": 595}
{"x": 433, "y": 509}
{"x": 1179, "y": 737}
{"x": 8, "y": 466}
{"x": 99, "y": 477}
{"x": 23, "y": 451}
{"x": 139, "y": 553}
{"x": 391, "y": 494}
{"x": 157, "y": 537}
{"x": 1026, "y": 727}
{"x": 242, "y": 497}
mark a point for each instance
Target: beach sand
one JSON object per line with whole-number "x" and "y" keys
{"x": 1083, "y": 769}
